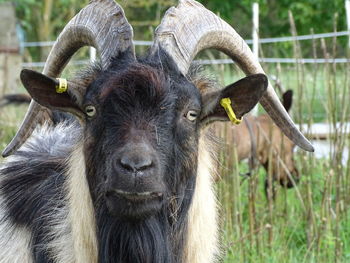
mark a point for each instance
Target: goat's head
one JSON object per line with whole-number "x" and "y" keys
{"x": 142, "y": 118}
{"x": 142, "y": 123}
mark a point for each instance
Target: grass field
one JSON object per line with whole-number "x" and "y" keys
{"x": 310, "y": 223}
{"x": 307, "y": 224}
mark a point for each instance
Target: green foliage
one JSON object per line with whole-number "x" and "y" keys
{"x": 44, "y": 19}
{"x": 274, "y": 21}
{"x": 317, "y": 14}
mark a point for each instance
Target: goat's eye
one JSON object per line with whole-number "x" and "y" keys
{"x": 90, "y": 110}
{"x": 191, "y": 115}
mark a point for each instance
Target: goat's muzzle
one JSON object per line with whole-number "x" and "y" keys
{"x": 135, "y": 187}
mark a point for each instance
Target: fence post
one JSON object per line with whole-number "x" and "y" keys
{"x": 256, "y": 29}
{"x": 92, "y": 54}
{"x": 255, "y": 37}
{"x": 347, "y": 8}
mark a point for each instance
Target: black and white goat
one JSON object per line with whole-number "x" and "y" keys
{"x": 132, "y": 180}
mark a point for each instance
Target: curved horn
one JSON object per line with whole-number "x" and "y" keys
{"x": 101, "y": 24}
{"x": 190, "y": 28}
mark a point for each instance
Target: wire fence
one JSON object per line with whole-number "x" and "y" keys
{"x": 223, "y": 61}
{"x": 51, "y": 43}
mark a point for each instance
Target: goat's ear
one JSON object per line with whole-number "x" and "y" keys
{"x": 42, "y": 89}
{"x": 287, "y": 99}
{"x": 244, "y": 95}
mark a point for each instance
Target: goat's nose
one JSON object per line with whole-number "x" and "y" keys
{"x": 136, "y": 163}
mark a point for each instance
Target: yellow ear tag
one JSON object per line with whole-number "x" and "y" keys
{"x": 62, "y": 85}
{"x": 226, "y": 104}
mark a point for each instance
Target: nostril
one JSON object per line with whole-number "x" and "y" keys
{"x": 126, "y": 164}
{"x": 135, "y": 164}
{"x": 143, "y": 164}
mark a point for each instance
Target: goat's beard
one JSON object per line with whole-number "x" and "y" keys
{"x": 144, "y": 241}
{"x": 157, "y": 238}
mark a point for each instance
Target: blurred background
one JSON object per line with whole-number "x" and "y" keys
{"x": 304, "y": 47}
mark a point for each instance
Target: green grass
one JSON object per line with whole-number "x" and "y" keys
{"x": 288, "y": 224}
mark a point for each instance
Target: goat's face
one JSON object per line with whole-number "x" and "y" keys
{"x": 142, "y": 125}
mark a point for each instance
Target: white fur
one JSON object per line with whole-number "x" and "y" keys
{"x": 74, "y": 226}
{"x": 202, "y": 241}
{"x": 14, "y": 241}
{"x": 81, "y": 210}
{"x": 61, "y": 247}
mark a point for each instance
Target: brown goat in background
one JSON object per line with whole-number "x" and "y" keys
{"x": 266, "y": 145}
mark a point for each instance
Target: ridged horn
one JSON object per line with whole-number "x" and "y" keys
{"x": 101, "y": 24}
{"x": 190, "y": 28}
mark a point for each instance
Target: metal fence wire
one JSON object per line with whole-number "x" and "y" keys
{"x": 222, "y": 61}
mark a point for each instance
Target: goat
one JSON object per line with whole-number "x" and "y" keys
{"x": 259, "y": 140}
{"x": 14, "y": 99}
{"x": 131, "y": 182}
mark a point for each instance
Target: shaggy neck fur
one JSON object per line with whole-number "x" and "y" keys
{"x": 189, "y": 237}
{"x": 203, "y": 235}
{"x": 81, "y": 210}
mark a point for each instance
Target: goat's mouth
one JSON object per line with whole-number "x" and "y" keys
{"x": 136, "y": 196}
{"x": 133, "y": 205}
